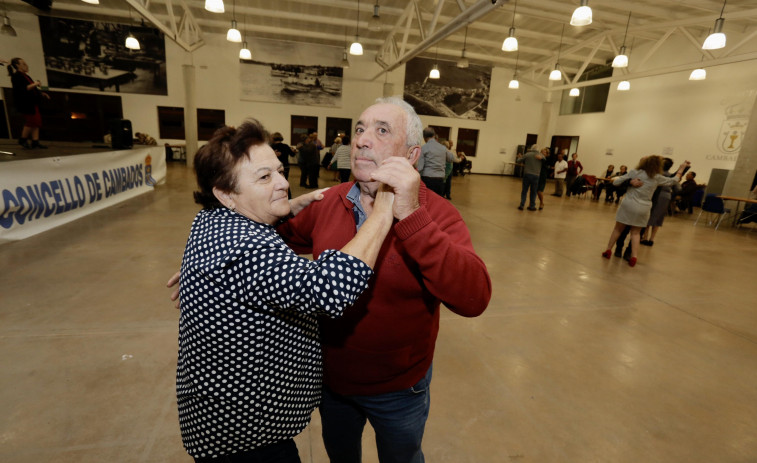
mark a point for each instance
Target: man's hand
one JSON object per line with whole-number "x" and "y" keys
{"x": 401, "y": 177}
{"x": 636, "y": 183}
{"x": 296, "y": 205}
{"x": 174, "y": 281}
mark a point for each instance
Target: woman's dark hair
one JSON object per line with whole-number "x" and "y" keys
{"x": 667, "y": 163}
{"x": 215, "y": 162}
{"x": 345, "y": 139}
{"x": 13, "y": 67}
{"x": 277, "y": 137}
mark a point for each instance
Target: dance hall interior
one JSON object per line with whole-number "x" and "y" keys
{"x": 577, "y": 357}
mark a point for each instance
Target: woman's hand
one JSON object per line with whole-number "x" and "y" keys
{"x": 384, "y": 202}
{"x": 174, "y": 281}
{"x": 296, "y": 205}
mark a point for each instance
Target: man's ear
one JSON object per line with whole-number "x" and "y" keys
{"x": 223, "y": 197}
{"x": 413, "y": 153}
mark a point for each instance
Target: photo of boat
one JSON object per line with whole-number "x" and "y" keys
{"x": 308, "y": 83}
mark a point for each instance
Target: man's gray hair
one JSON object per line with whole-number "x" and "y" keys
{"x": 533, "y": 147}
{"x": 413, "y": 124}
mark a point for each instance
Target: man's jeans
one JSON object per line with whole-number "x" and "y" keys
{"x": 398, "y": 418}
{"x": 529, "y": 181}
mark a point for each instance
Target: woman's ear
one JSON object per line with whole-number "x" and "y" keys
{"x": 224, "y": 198}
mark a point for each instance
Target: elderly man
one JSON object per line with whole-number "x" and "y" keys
{"x": 377, "y": 358}
{"x": 432, "y": 162}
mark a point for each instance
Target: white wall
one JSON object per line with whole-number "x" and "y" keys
{"x": 664, "y": 113}
{"x": 659, "y": 112}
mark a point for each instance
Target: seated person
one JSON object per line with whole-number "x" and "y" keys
{"x": 604, "y": 185}
{"x": 616, "y": 190}
{"x": 685, "y": 197}
{"x": 749, "y": 214}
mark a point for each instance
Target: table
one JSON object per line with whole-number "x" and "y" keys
{"x": 98, "y": 79}
{"x": 738, "y": 204}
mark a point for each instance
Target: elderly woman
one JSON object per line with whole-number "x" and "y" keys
{"x": 634, "y": 210}
{"x": 249, "y": 368}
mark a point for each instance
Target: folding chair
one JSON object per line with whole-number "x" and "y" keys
{"x": 713, "y": 205}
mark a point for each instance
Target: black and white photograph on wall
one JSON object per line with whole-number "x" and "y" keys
{"x": 458, "y": 93}
{"x": 86, "y": 55}
{"x": 292, "y": 73}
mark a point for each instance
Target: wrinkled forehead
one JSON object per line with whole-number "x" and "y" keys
{"x": 384, "y": 114}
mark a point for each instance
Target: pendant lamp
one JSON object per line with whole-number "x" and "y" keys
{"x": 556, "y": 74}
{"x": 356, "y": 48}
{"x": 462, "y": 63}
{"x": 716, "y": 40}
{"x": 621, "y": 61}
{"x": 214, "y": 6}
{"x": 582, "y": 15}
{"x": 624, "y": 86}
{"x": 514, "y": 84}
{"x": 233, "y": 34}
{"x": 375, "y": 23}
{"x": 434, "y": 74}
{"x": 574, "y": 92}
{"x": 511, "y": 43}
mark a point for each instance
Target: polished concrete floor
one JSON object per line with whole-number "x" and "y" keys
{"x": 577, "y": 359}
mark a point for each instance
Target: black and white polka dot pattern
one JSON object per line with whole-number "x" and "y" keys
{"x": 249, "y": 370}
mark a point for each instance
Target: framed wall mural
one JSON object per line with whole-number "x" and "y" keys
{"x": 292, "y": 73}
{"x": 459, "y": 93}
{"x": 86, "y": 55}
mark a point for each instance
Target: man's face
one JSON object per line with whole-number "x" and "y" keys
{"x": 689, "y": 176}
{"x": 559, "y": 156}
{"x": 379, "y": 134}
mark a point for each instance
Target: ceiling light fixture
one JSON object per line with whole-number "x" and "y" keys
{"x": 92, "y": 2}
{"x": 511, "y": 43}
{"x": 716, "y": 40}
{"x": 131, "y": 42}
{"x": 375, "y": 24}
{"x": 624, "y": 86}
{"x": 434, "y": 74}
{"x": 582, "y": 15}
{"x": 244, "y": 52}
{"x": 462, "y": 63}
{"x": 621, "y": 61}
{"x": 233, "y": 34}
{"x": 214, "y": 6}
{"x": 698, "y": 74}
{"x": 556, "y": 74}
{"x": 514, "y": 84}
{"x": 574, "y": 92}
{"x": 7, "y": 29}
{"x": 356, "y": 48}
{"x": 345, "y": 62}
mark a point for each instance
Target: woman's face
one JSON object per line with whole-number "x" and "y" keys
{"x": 22, "y": 66}
{"x": 261, "y": 193}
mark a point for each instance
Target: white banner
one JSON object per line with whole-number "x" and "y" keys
{"x": 40, "y": 194}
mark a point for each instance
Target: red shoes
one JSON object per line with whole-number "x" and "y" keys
{"x": 632, "y": 262}
{"x": 608, "y": 253}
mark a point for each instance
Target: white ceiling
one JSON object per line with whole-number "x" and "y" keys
{"x": 428, "y": 27}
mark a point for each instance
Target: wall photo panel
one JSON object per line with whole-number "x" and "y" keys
{"x": 87, "y": 55}
{"x": 458, "y": 93}
{"x": 292, "y": 73}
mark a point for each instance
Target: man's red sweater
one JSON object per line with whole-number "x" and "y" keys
{"x": 386, "y": 341}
